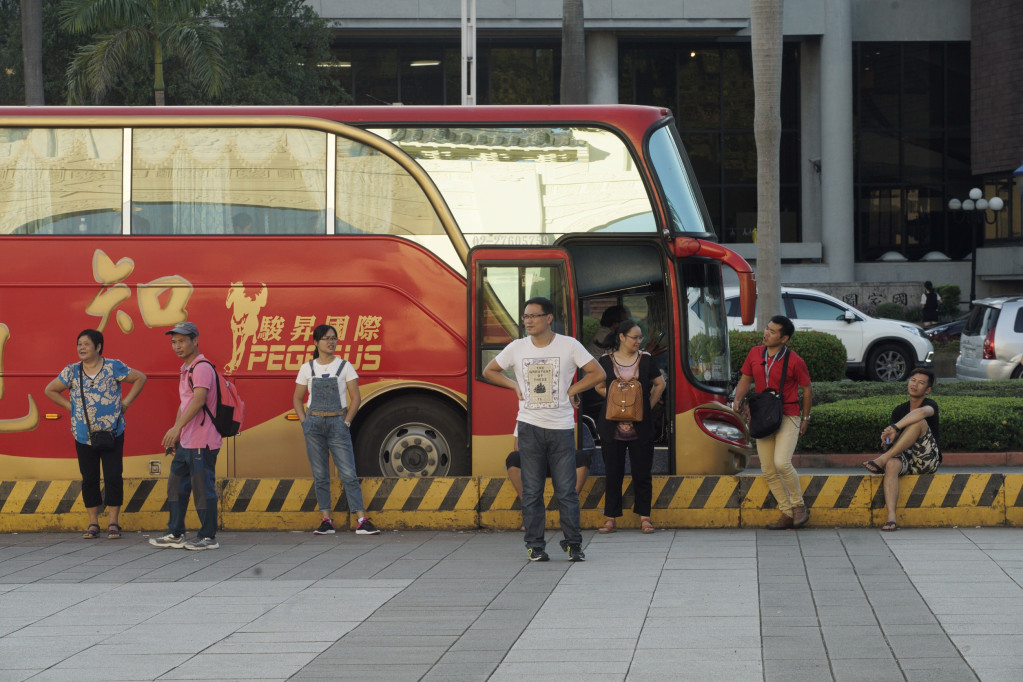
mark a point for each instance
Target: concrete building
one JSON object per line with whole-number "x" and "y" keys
{"x": 889, "y": 110}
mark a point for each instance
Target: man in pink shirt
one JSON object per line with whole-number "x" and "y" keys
{"x": 195, "y": 443}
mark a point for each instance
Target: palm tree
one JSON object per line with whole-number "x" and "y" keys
{"x": 573, "y": 53}
{"x": 766, "y": 30}
{"x": 32, "y": 50}
{"x": 127, "y": 28}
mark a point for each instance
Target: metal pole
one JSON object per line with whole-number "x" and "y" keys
{"x": 468, "y": 52}
{"x": 973, "y": 257}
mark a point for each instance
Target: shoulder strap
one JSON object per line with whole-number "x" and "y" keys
{"x": 784, "y": 370}
{"x": 339, "y": 368}
{"x": 81, "y": 395}
{"x": 312, "y": 371}
{"x": 216, "y": 383}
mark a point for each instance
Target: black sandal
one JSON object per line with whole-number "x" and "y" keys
{"x": 91, "y": 534}
{"x": 113, "y": 532}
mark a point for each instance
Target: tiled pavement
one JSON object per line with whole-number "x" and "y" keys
{"x": 817, "y": 604}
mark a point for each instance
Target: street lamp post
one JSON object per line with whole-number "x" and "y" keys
{"x": 975, "y": 213}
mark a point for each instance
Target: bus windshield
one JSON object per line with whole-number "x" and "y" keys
{"x": 684, "y": 209}
{"x": 532, "y": 184}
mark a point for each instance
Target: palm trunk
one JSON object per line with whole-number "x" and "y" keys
{"x": 158, "y": 85}
{"x": 32, "y": 50}
{"x": 573, "y": 53}
{"x": 766, "y": 29}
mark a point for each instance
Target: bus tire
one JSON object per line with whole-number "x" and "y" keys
{"x": 412, "y": 437}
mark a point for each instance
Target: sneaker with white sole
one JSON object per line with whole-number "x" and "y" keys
{"x": 203, "y": 543}
{"x": 575, "y": 551}
{"x": 326, "y": 528}
{"x": 537, "y": 554}
{"x": 168, "y": 540}
{"x": 365, "y": 527}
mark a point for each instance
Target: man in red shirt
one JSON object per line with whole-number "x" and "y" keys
{"x": 763, "y": 368}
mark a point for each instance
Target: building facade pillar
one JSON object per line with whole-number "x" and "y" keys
{"x": 601, "y": 67}
{"x": 837, "y": 194}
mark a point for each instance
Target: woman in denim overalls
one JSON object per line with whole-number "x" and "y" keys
{"x": 326, "y": 419}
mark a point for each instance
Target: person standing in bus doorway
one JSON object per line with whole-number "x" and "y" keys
{"x": 544, "y": 363}
{"x": 326, "y": 417}
{"x": 627, "y": 361}
{"x": 763, "y": 368}
{"x": 195, "y": 442}
{"x": 97, "y": 424}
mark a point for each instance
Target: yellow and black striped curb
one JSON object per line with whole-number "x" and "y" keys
{"x": 989, "y": 499}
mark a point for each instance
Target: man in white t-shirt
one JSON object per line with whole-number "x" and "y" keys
{"x": 544, "y": 364}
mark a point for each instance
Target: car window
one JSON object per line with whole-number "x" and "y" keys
{"x": 1018, "y": 325}
{"x": 991, "y": 321}
{"x": 732, "y": 309}
{"x": 976, "y": 319}
{"x": 816, "y": 309}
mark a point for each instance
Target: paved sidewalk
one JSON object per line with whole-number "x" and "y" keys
{"x": 731, "y": 605}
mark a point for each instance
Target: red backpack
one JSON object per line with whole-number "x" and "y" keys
{"x": 230, "y": 406}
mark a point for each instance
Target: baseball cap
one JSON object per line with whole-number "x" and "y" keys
{"x": 186, "y": 328}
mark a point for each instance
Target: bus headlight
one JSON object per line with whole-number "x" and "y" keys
{"x": 721, "y": 425}
{"x": 723, "y": 430}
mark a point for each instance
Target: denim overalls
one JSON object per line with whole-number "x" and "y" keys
{"x": 324, "y": 429}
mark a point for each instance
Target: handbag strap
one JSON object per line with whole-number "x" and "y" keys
{"x": 81, "y": 395}
{"x": 784, "y": 371}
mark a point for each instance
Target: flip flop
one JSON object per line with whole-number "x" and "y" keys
{"x": 890, "y": 527}
{"x": 89, "y": 533}
{"x": 873, "y": 467}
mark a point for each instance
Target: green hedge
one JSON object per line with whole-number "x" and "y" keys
{"x": 833, "y": 391}
{"x": 968, "y": 424}
{"x": 824, "y": 354}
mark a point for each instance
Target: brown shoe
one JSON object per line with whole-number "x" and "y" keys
{"x": 800, "y": 515}
{"x": 783, "y": 523}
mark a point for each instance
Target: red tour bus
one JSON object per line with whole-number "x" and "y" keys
{"x": 418, "y": 232}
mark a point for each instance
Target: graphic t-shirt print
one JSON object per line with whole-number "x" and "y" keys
{"x": 542, "y": 376}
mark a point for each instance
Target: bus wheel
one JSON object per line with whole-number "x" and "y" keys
{"x": 412, "y": 438}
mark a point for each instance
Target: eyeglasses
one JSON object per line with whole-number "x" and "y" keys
{"x": 329, "y": 338}
{"x": 635, "y": 338}
{"x": 528, "y": 317}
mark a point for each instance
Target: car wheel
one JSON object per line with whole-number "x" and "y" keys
{"x": 1018, "y": 372}
{"x": 888, "y": 362}
{"x": 412, "y": 437}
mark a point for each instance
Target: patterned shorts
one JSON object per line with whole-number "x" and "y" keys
{"x": 921, "y": 457}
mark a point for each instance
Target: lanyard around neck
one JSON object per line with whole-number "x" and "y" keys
{"x": 768, "y": 367}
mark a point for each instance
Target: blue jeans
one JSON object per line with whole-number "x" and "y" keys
{"x": 323, "y": 434}
{"x": 193, "y": 472}
{"x": 539, "y": 449}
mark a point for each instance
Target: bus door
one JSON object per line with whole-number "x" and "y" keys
{"x": 501, "y": 280}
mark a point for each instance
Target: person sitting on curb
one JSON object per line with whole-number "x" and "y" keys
{"x": 583, "y": 457}
{"x": 912, "y": 441}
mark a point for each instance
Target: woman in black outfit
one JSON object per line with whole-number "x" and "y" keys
{"x": 930, "y": 301}
{"x": 627, "y": 361}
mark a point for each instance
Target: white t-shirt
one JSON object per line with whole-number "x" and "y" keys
{"x": 544, "y": 375}
{"x": 305, "y": 377}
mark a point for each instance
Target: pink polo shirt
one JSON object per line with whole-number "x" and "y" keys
{"x": 199, "y": 432}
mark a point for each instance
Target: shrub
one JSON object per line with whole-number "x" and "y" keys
{"x": 950, "y": 297}
{"x": 829, "y": 392}
{"x": 824, "y": 354}
{"x": 891, "y": 311}
{"x": 968, "y": 424}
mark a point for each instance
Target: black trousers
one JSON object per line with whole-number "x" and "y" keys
{"x": 111, "y": 457}
{"x": 641, "y": 454}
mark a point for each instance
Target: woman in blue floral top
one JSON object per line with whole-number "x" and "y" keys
{"x": 95, "y": 384}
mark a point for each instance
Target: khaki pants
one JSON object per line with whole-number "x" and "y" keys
{"x": 776, "y": 462}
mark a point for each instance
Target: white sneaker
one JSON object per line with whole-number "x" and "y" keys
{"x": 203, "y": 543}
{"x": 168, "y": 540}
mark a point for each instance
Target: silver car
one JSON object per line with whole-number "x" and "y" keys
{"x": 991, "y": 346}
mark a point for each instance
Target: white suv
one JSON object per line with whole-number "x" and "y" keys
{"x": 991, "y": 346}
{"x": 884, "y": 350}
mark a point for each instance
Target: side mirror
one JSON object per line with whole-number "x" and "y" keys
{"x": 849, "y": 316}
